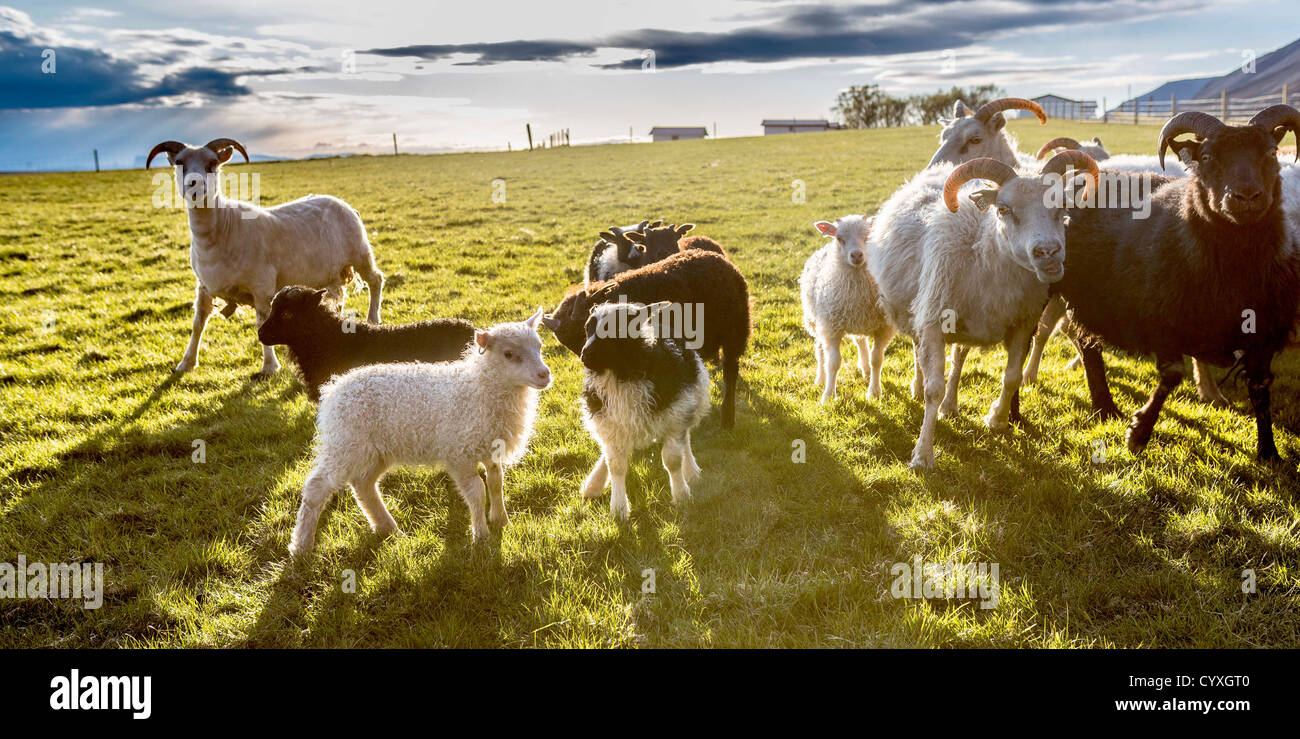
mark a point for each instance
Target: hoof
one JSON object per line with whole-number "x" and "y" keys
{"x": 691, "y": 473}
{"x": 1217, "y": 401}
{"x": 1137, "y": 439}
{"x": 620, "y": 513}
{"x": 922, "y": 461}
{"x": 500, "y": 521}
{"x": 260, "y": 376}
{"x": 590, "y": 491}
{"x": 1107, "y": 413}
{"x": 947, "y": 410}
{"x": 183, "y": 367}
{"x": 996, "y": 423}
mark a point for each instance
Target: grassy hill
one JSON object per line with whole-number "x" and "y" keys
{"x": 96, "y": 439}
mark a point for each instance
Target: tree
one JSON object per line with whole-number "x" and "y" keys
{"x": 930, "y": 108}
{"x": 870, "y": 107}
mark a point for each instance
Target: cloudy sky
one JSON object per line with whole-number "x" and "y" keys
{"x": 334, "y": 76}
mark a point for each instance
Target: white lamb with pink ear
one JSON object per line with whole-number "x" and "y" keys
{"x": 840, "y": 299}
{"x": 478, "y": 410}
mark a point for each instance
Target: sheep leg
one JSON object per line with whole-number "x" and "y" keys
{"x": 374, "y": 280}
{"x": 1052, "y": 314}
{"x": 1008, "y": 403}
{"x": 496, "y": 479}
{"x": 879, "y": 342}
{"x": 1206, "y": 387}
{"x": 366, "y": 490}
{"x": 948, "y": 407}
{"x": 819, "y": 353}
{"x": 202, "y": 310}
{"x": 864, "y": 361}
{"x": 690, "y": 469}
{"x": 918, "y": 378}
{"x": 930, "y": 356}
{"x": 270, "y": 365}
{"x": 1259, "y": 377}
{"x": 471, "y": 489}
{"x": 674, "y": 459}
{"x": 316, "y": 492}
{"x": 594, "y": 485}
{"x": 831, "y": 356}
{"x": 618, "y": 506}
{"x": 1094, "y": 367}
{"x": 1172, "y": 371}
{"x": 730, "y": 376}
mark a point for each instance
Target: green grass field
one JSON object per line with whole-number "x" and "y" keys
{"x": 96, "y": 439}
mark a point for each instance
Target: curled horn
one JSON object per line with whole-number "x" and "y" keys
{"x": 171, "y": 147}
{"x": 983, "y": 168}
{"x": 987, "y": 110}
{"x": 217, "y": 145}
{"x": 1064, "y": 141}
{"x": 1279, "y": 116}
{"x": 1200, "y": 124}
{"x": 1063, "y": 161}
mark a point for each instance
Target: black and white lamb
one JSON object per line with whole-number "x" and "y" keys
{"x": 323, "y": 343}
{"x": 640, "y": 387}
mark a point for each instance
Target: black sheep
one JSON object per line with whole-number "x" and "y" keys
{"x": 695, "y": 279}
{"x": 1208, "y": 274}
{"x": 323, "y": 343}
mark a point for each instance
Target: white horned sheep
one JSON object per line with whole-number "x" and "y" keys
{"x": 981, "y": 133}
{"x": 640, "y": 386}
{"x": 971, "y": 273}
{"x": 478, "y": 410}
{"x": 244, "y": 253}
{"x": 840, "y": 299}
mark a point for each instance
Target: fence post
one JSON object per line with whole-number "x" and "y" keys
{"x": 1285, "y": 94}
{"x": 1173, "y": 105}
{"x": 394, "y": 144}
{"x": 529, "y": 128}
{"x": 1224, "y": 99}
{"x": 1137, "y": 105}
{"x": 1105, "y": 114}
{"x": 96, "y": 160}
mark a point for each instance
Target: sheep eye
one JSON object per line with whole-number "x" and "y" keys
{"x": 509, "y": 354}
{"x": 1004, "y": 210}
{"x": 975, "y": 139}
{"x": 1205, "y": 157}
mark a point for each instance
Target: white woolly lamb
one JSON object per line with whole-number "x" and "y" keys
{"x": 478, "y": 410}
{"x": 840, "y": 298}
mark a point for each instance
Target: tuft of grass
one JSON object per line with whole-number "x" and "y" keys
{"x": 98, "y": 440}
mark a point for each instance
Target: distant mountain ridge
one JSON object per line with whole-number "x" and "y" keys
{"x": 1271, "y": 71}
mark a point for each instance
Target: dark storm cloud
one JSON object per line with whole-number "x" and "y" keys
{"x": 91, "y": 78}
{"x": 811, "y": 32}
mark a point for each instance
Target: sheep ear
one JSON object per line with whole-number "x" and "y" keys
{"x": 684, "y": 229}
{"x": 1187, "y": 150}
{"x": 825, "y": 228}
{"x": 606, "y": 235}
{"x": 997, "y": 121}
{"x": 482, "y": 339}
{"x": 1096, "y": 141}
{"x": 959, "y": 110}
{"x": 984, "y": 198}
{"x": 635, "y": 236}
{"x": 655, "y": 224}
{"x": 223, "y": 155}
{"x": 532, "y": 320}
{"x": 551, "y": 322}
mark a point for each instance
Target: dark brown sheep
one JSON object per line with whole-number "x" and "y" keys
{"x": 702, "y": 280}
{"x": 1208, "y": 274}
{"x": 323, "y": 343}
